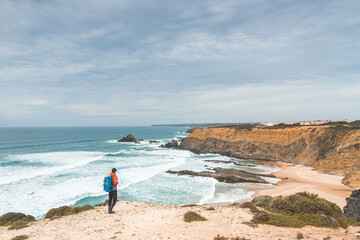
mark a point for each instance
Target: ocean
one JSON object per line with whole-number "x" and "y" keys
{"x": 46, "y": 167}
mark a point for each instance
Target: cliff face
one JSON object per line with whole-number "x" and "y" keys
{"x": 326, "y": 148}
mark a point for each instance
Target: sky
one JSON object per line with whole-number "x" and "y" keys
{"x": 143, "y": 62}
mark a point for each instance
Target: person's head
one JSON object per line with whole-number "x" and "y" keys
{"x": 113, "y": 170}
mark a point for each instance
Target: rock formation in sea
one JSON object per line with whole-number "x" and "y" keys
{"x": 332, "y": 149}
{"x": 228, "y": 175}
{"x": 129, "y": 138}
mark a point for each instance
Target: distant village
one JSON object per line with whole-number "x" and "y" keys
{"x": 316, "y": 122}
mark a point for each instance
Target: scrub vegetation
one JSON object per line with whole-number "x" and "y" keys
{"x": 20, "y": 237}
{"x": 218, "y": 237}
{"x": 193, "y": 216}
{"x": 66, "y": 210}
{"x": 299, "y": 210}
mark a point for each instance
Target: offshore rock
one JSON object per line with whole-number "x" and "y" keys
{"x": 352, "y": 208}
{"x": 228, "y": 175}
{"x": 330, "y": 149}
{"x": 129, "y": 138}
{"x": 173, "y": 144}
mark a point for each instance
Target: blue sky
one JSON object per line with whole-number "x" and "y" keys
{"x": 107, "y": 63}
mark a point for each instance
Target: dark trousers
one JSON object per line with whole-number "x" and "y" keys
{"x": 112, "y": 199}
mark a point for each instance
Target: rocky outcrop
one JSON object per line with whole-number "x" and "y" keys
{"x": 129, "y": 138}
{"x": 172, "y": 145}
{"x": 330, "y": 149}
{"x": 228, "y": 175}
{"x": 352, "y": 208}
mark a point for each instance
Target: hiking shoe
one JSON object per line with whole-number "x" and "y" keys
{"x": 111, "y": 212}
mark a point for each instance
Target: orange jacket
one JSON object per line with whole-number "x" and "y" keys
{"x": 114, "y": 180}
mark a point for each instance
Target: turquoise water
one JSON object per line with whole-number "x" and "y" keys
{"x": 42, "y": 168}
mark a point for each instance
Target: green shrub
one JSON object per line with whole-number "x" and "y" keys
{"x": 82, "y": 209}
{"x": 300, "y": 209}
{"x": 263, "y": 201}
{"x": 226, "y": 238}
{"x": 210, "y": 209}
{"x": 247, "y": 205}
{"x": 11, "y": 217}
{"x": 190, "y": 205}
{"x": 193, "y": 216}
{"x": 250, "y": 205}
{"x": 60, "y": 211}
{"x": 18, "y": 225}
{"x": 20, "y": 237}
{"x": 251, "y": 224}
{"x": 66, "y": 210}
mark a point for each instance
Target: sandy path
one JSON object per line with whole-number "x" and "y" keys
{"x": 138, "y": 220}
{"x": 301, "y": 178}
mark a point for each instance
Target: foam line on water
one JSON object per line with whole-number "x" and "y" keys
{"x": 131, "y": 176}
{"x": 54, "y": 162}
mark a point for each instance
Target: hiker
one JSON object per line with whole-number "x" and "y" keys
{"x": 113, "y": 193}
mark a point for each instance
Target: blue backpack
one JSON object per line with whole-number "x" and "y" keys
{"x": 108, "y": 186}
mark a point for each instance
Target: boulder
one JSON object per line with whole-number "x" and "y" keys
{"x": 129, "y": 138}
{"x": 352, "y": 208}
{"x": 154, "y": 141}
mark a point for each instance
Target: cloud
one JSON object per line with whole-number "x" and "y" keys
{"x": 112, "y": 62}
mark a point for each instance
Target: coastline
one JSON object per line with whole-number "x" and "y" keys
{"x": 299, "y": 178}
{"x": 143, "y": 220}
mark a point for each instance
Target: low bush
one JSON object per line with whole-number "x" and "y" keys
{"x": 218, "y": 237}
{"x": 251, "y": 224}
{"x": 20, "y": 237}
{"x": 299, "y": 210}
{"x": 18, "y": 225}
{"x": 12, "y": 217}
{"x": 299, "y": 235}
{"x": 193, "y": 216}
{"x": 66, "y": 210}
{"x": 190, "y": 205}
{"x": 247, "y": 205}
{"x": 263, "y": 201}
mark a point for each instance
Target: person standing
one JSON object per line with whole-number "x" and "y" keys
{"x": 113, "y": 193}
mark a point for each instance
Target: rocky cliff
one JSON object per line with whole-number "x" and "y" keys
{"x": 330, "y": 149}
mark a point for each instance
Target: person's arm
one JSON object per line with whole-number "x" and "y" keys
{"x": 116, "y": 180}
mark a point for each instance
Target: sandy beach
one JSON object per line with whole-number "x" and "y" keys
{"x": 141, "y": 220}
{"x": 299, "y": 178}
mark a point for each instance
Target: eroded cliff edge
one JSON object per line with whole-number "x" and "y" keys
{"x": 330, "y": 149}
